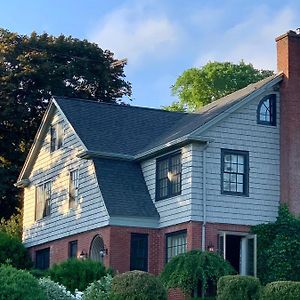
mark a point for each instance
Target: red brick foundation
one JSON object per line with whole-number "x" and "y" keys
{"x": 117, "y": 241}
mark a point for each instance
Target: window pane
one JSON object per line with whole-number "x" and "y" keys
{"x": 60, "y": 135}
{"x": 176, "y": 244}
{"x": 73, "y": 188}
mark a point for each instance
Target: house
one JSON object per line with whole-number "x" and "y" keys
{"x": 134, "y": 186}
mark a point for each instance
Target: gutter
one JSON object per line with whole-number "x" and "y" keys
{"x": 204, "y": 196}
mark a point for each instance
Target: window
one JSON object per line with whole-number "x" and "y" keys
{"x": 72, "y": 249}
{"x": 73, "y": 188}
{"x": 176, "y": 244}
{"x": 266, "y": 111}
{"x": 235, "y": 172}
{"x": 168, "y": 176}
{"x": 56, "y": 136}
{"x": 42, "y": 259}
{"x": 139, "y": 252}
{"x": 43, "y": 200}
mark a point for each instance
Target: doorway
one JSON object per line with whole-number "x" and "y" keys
{"x": 240, "y": 249}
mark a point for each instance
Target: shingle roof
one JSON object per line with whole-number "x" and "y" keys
{"x": 124, "y": 189}
{"x": 131, "y": 130}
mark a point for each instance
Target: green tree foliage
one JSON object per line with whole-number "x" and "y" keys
{"x": 196, "y": 87}
{"x": 33, "y": 69}
{"x": 235, "y": 287}
{"x": 137, "y": 285}
{"x": 77, "y": 274}
{"x": 278, "y": 248}
{"x": 18, "y": 284}
{"x": 186, "y": 271}
{"x": 12, "y": 251}
{"x": 13, "y": 226}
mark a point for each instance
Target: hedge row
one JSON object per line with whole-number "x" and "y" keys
{"x": 248, "y": 288}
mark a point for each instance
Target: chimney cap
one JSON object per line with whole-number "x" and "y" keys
{"x": 290, "y": 33}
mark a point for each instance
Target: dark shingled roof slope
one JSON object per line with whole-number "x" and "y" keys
{"x": 131, "y": 130}
{"x": 124, "y": 189}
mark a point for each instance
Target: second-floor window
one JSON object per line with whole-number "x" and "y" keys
{"x": 43, "y": 200}
{"x": 73, "y": 188}
{"x": 56, "y": 136}
{"x": 234, "y": 172}
{"x": 266, "y": 111}
{"x": 168, "y": 176}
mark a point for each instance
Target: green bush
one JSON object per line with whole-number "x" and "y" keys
{"x": 186, "y": 271}
{"x": 283, "y": 290}
{"x": 137, "y": 285}
{"x": 278, "y": 244}
{"x": 77, "y": 274}
{"x": 38, "y": 273}
{"x": 12, "y": 251}
{"x": 99, "y": 290}
{"x": 18, "y": 284}
{"x": 235, "y": 287}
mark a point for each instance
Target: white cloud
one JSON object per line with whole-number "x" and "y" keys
{"x": 136, "y": 34}
{"x": 252, "y": 40}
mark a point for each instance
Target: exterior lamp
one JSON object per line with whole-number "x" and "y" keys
{"x": 83, "y": 255}
{"x": 103, "y": 252}
{"x": 210, "y": 247}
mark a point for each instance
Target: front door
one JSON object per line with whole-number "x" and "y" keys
{"x": 240, "y": 250}
{"x": 139, "y": 252}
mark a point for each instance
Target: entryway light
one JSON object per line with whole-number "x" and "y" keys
{"x": 210, "y": 247}
{"x": 83, "y": 255}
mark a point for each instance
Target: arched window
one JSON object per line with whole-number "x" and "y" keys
{"x": 97, "y": 249}
{"x": 266, "y": 111}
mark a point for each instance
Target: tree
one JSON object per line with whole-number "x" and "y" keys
{"x": 196, "y": 87}
{"x": 195, "y": 268}
{"x": 33, "y": 69}
{"x": 278, "y": 248}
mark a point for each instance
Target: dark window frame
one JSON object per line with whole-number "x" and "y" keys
{"x": 170, "y": 235}
{"x": 56, "y": 136}
{"x": 73, "y": 188}
{"x": 71, "y": 250}
{"x": 43, "y": 253}
{"x": 245, "y": 154}
{"x": 47, "y": 201}
{"x": 272, "y": 101}
{"x": 141, "y": 236}
{"x": 168, "y": 158}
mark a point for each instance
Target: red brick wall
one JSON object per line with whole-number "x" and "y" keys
{"x": 117, "y": 241}
{"x": 288, "y": 61}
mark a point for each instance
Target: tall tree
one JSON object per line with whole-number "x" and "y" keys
{"x": 196, "y": 87}
{"x": 33, "y": 69}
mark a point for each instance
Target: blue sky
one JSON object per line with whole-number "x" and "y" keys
{"x": 162, "y": 38}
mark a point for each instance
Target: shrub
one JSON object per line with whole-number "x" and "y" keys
{"x": 278, "y": 243}
{"x": 38, "y": 273}
{"x": 77, "y": 274}
{"x": 18, "y": 284}
{"x": 186, "y": 271}
{"x": 283, "y": 290}
{"x": 137, "y": 285}
{"x": 238, "y": 287}
{"x": 13, "y": 251}
{"x": 54, "y": 290}
{"x": 99, "y": 290}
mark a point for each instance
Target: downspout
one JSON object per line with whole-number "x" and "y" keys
{"x": 204, "y": 196}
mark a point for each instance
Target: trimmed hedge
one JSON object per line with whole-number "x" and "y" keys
{"x": 236, "y": 287}
{"x": 137, "y": 285}
{"x": 19, "y": 284}
{"x": 77, "y": 274}
{"x": 283, "y": 290}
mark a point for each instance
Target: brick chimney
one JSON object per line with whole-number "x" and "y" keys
{"x": 288, "y": 62}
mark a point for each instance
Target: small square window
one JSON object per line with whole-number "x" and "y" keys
{"x": 234, "y": 172}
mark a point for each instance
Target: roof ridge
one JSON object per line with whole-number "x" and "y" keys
{"x": 118, "y": 105}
